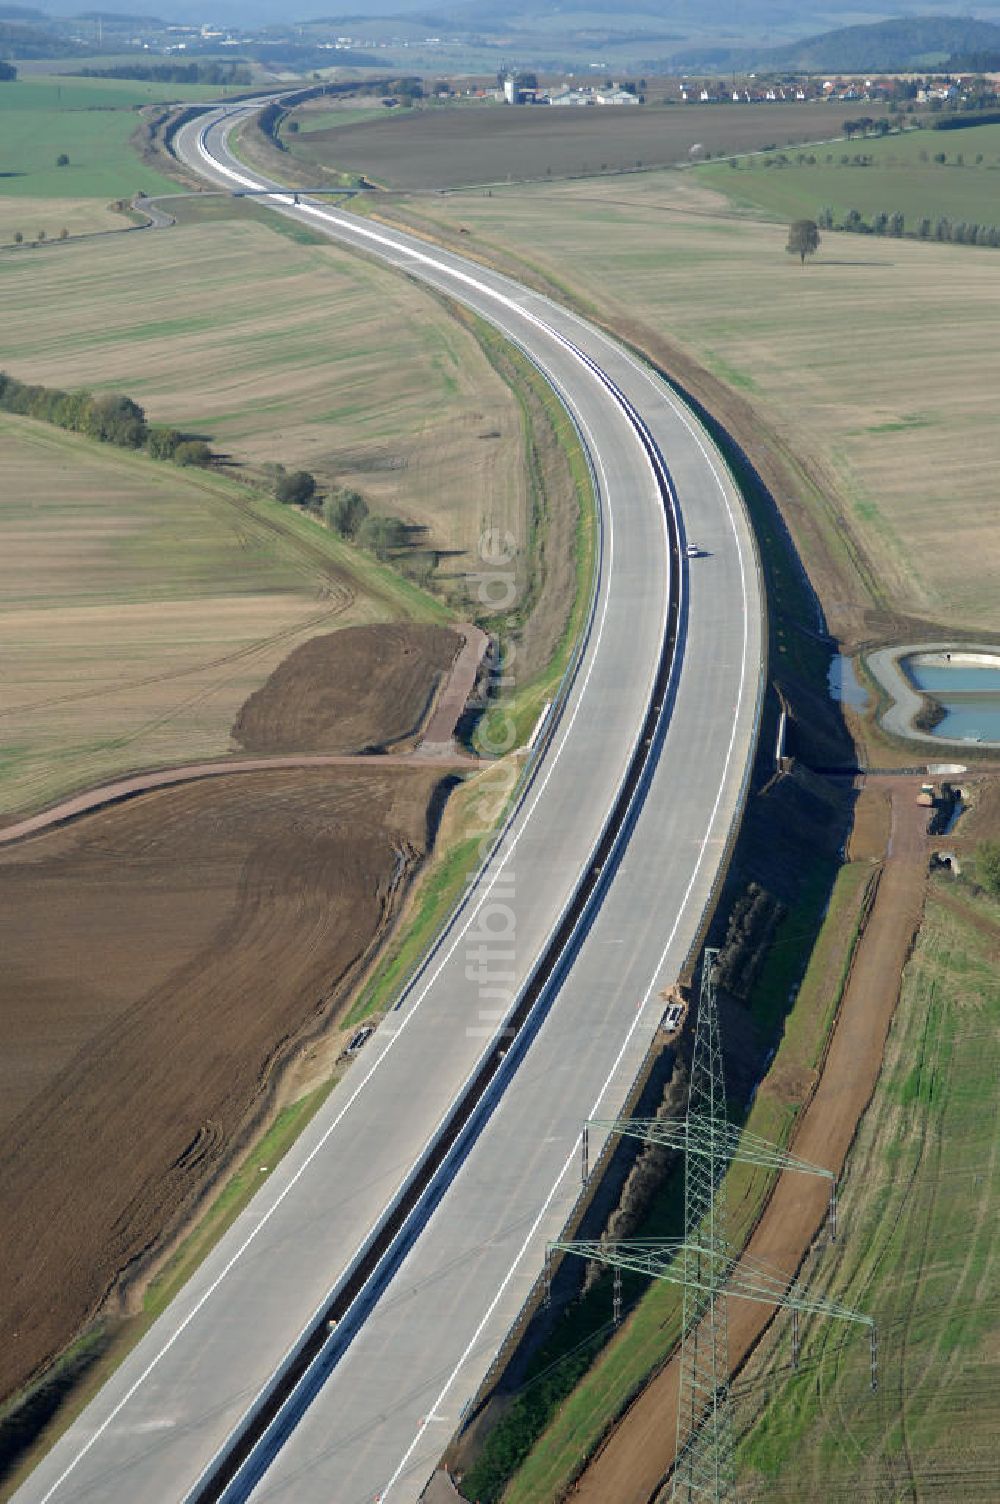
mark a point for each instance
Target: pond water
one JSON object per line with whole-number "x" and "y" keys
{"x": 845, "y": 686}
{"x": 969, "y": 694}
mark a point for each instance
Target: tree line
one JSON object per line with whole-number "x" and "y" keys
{"x": 173, "y": 73}
{"x": 116, "y": 419}
{"x": 957, "y": 232}
{"x": 109, "y": 417}
{"x": 346, "y": 513}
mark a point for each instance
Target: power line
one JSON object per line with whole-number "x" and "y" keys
{"x": 704, "y": 1263}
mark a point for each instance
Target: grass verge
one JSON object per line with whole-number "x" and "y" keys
{"x": 526, "y": 701}
{"x": 509, "y": 720}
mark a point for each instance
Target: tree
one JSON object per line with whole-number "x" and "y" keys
{"x": 64, "y": 233}
{"x": 381, "y": 534}
{"x": 880, "y": 222}
{"x": 193, "y": 452}
{"x": 18, "y": 237}
{"x": 803, "y": 239}
{"x": 62, "y": 160}
{"x": 296, "y": 489}
{"x": 825, "y": 218}
{"x": 896, "y": 225}
{"x": 988, "y": 866}
{"x": 924, "y": 229}
{"x": 163, "y": 443}
{"x": 345, "y": 511}
{"x": 116, "y": 420}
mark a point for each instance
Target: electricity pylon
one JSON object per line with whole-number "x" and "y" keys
{"x": 703, "y": 1262}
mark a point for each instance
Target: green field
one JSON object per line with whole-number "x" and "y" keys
{"x": 918, "y": 1249}
{"x": 88, "y": 119}
{"x": 310, "y": 120}
{"x": 903, "y": 177}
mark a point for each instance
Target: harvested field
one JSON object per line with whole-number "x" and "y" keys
{"x": 280, "y": 352}
{"x": 465, "y": 145}
{"x": 361, "y": 688}
{"x": 885, "y": 473}
{"x": 141, "y": 605}
{"x": 161, "y": 962}
{"x": 80, "y": 216}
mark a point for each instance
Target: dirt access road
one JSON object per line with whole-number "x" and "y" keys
{"x": 436, "y": 744}
{"x": 638, "y": 1453}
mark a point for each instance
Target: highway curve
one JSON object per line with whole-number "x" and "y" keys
{"x": 160, "y": 1426}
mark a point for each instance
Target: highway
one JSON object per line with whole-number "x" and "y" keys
{"x": 395, "y": 1392}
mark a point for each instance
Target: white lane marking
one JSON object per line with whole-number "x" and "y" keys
{"x": 664, "y": 393}
{"x": 414, "y": 1006}
{"x": 572, "y": 1159}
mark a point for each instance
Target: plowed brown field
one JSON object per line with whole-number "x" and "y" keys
{"x": 349, "y": 690}
{"x": 160, "y": 961}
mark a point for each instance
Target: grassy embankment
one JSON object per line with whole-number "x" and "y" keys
{"x": 902, "y": 176}
{"x": 551, "y": 445}
{"x": 918, "y": 1208}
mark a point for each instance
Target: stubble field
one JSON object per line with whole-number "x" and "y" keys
{"x": 141, "y": 606}
{"x": 277, "y": 351}
{"x": 144, "y": 603}
{"x": 874, "y": 364}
